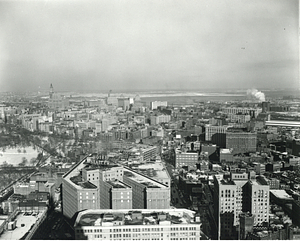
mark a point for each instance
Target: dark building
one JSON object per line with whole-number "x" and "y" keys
{"x": 265, "y": 106}
{"x": 246, "y": 224}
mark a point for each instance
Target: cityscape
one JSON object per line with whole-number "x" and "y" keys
{"x": 133, "y": 168}
{"x": 149, "y": 120}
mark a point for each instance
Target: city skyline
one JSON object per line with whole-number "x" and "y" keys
{"x": 132, "y": 45}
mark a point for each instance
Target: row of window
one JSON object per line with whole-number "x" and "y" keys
{"x": 139, "y": 230}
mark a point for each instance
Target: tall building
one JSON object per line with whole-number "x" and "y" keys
{"x": 147, "y": 193}
{"x": 56, "y": 101}
{"x": 141, "y": 224}
{"x": 93, "y": 183}
{"x": 235, "y": 195}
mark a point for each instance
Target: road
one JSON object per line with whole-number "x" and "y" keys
{"x": 54, "y": 227}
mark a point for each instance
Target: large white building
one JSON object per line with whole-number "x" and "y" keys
{"x": 141, "y": 224}
{"x": 253, "y": 112}
{"x": 155, "y": 104}
{"x": 94, "y": 184}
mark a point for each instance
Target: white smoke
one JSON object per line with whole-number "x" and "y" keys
{"x": 254, "y": 94}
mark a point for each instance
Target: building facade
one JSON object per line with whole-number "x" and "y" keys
{"x": 141, "y": 224}
{"x": 236, "y": 195}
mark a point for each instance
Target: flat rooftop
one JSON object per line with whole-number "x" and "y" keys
{"x": 142, "y": 179}
{"x": 84, "y": 184}
{"x": 109, "y": 217}
{"x": 118, "y": 184}
{"x": 154, "y": 170}
{"x": 19, "y": 231}
{"x": 281, "y": 194}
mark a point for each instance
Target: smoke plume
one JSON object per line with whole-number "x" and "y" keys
{"x": 254, "y": 94}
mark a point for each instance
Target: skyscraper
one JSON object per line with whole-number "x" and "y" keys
{"x": 234, "y": 195}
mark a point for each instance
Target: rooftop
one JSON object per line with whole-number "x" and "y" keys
{"x": 153, "y": 169}
{"x": 23, "y": 218}
{"x": 281, "y": 194}
{"x": 118, "y": 184}
{"x": 109, "y": 217}
{"x": 150, "y": 183}
{"x": 84, "y": 184}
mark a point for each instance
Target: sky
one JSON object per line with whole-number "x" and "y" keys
{"x": 87, "y": 45}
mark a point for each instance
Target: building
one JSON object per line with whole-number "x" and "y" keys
{"x": 237, "y": 194}
{"x": 124, "y": 103}
{"x": 147, "y": 193}
{"x": 154, "y": 120}
{"x": 185, "y": 158}
{"x": 226, "y": 156}
{"x": 246, "y": 224}
{"x": 209, "y": 149}
{"x": 253, "y": 112}
{"x": 57, "y": 101}
{"x": 141, "y": 224}
{"x": 265, "y": 106}
{"x": 212, "y": 130}
{"x": 155, "y": 104}
{"x": 241, "y": 142}
{"x": 116, "y": 195}
{"x": 92, "y": 183}
{"x": 155, "y": 170}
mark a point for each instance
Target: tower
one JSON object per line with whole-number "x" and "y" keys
{"x": 51, "y": 91}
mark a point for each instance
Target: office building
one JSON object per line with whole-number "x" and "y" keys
{"x": 141, "y": 224}
{"x": 186, "y": 158}
{"x": 241, "y": 142}
{"x": 210, "y": 131}
{"x": 235, "y": 195}
{"x": 253, "y": 112}
{"x": 154, "y": 120}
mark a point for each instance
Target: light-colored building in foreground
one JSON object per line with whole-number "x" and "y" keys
{"x": 138, "y": 224}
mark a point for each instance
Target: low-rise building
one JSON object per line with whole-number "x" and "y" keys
{"x": 141, "y": 224}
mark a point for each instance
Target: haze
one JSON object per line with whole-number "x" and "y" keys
{"x": 133, "y": 44}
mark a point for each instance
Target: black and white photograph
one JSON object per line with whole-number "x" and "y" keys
{"x": 149, "y": 120}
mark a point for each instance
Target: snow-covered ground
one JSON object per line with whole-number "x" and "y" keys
{"x": 12, "y": 156}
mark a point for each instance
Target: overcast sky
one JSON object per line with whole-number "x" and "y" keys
{"x": 136, "y": 44}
